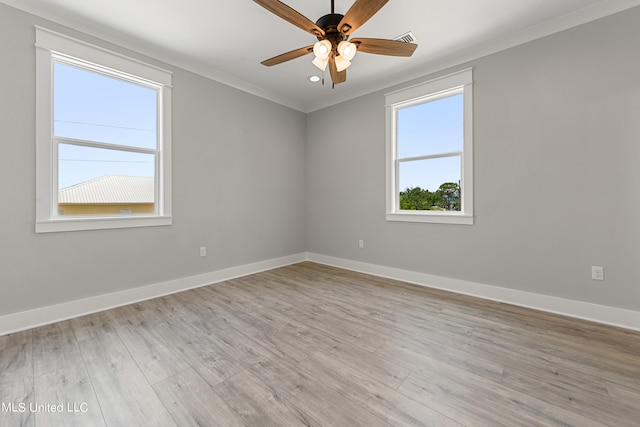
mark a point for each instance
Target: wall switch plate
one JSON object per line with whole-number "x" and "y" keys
{"x": 597, "y": 273}
{"x": 361, "y": 244}
{"x": 203, "y": 251}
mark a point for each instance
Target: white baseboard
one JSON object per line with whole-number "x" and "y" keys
{"x": 54, "y": 313}
{"x": 627, "y": 319}
{"x": 15, "y": 322}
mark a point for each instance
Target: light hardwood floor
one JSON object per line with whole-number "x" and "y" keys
{"x": 314, "y": 345}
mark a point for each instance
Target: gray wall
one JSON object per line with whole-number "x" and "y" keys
{"x": 556, "y": 174}
{"x": 556, "y": 169}
{"x": 238, "y": 188}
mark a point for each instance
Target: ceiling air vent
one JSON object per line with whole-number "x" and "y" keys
{"x": 407, "y": 38}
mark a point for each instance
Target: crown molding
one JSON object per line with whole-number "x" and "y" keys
{"x": 599, "y": 10}
{"x": 547, "y": 28}
{"x": 152, "y": 52}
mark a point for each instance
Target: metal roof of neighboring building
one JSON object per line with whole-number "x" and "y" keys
{"x": 110, "y": 189}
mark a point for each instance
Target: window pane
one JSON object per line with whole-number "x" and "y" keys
{"x": 431, "y": 128}
{"x": 94, "y": 107}
{"x": 431, "y": 184}
{"x": 96, "y": 181}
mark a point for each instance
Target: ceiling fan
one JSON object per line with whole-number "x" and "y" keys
{"x": 332, "y": 31}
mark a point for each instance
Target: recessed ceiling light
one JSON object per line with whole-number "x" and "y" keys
{"x": 314, "y": 79}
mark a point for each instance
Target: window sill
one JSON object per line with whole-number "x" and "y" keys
{"x": 430, "y": 217}
{"x": 80, "y": 224}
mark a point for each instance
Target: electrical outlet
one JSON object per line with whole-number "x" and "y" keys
{"x": 203, "y": 251}
{"x": 597, "y": 273}
{"x": 361, "y": 243}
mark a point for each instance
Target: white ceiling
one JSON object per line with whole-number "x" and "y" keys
{"x": 226, "y": 40}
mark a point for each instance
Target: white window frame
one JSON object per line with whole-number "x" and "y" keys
{"x": 456, "y": 83}
{"x": 55, "y": 47}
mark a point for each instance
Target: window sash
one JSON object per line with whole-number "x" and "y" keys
{"x": 104, "y": 145}
{"x": 111, "y": 74}
{"x": 55, "y": 211}
{"x": 429, "y": 157}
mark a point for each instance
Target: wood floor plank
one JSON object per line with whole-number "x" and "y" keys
{"x": 286, "y": 318}
{"x": 538, "y": 361}
{"x": 192, "y": 402}
{"x": 419, "y": 357}
{"x": 317, "y": 400}
{"x": 376, "y": 365}
{"x": 278, "y": 336}
{"x": 257, "y": 404}
{"x": 16, "y": 379}
{"x": 200, "y": 312}
{"x": 92, "y": 325}
{"x": 209, "y": 355}
{"x": 299, "y": 337}
{"x": 154, "y": 356}
{"x": 124, "y": 394}
{"x": 277, "y": 342}
{"x": 388, "y": 404}
{"x": 61, "y": 379}
{"x": 309, "y": 344}
{"x": 331, "y": 319}
{"x": 556, "y": 354}
{"x": 627, "y": 396}
{"x": 564, "y": 393}
{"x": 473, "y": 400}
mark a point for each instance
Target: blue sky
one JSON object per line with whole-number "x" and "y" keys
{"x": 426, "y": 129}
{"x": 93, "y": 107}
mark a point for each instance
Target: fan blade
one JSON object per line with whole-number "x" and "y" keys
{"x": 336, "y": 76}
{"x": 288, "y": 56}
{"x": 290, "y": 15}
{"x": 359, "y": 13}
{"x": 385, "y": 47}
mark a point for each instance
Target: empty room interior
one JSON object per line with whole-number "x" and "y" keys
{"x": 345, "y": 213}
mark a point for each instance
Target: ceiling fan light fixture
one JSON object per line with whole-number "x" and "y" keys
{"x": 347, "y": 50}
{"x": 320, "y": 63}
{"x": 322, "y": 49}
{"x": 332, "y": 32}
{"x": 341, "y": 63}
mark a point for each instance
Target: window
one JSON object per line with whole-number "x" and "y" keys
{"x": 429, "y": 151}
{"x": 103, "y": 138}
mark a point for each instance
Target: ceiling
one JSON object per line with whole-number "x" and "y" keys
{"x": 226, "y": 40}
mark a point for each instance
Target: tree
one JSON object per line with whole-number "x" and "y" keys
{"x": 447, "y": 198}
{"x": 415, "y": 199}
{"x": 450, "y": 196}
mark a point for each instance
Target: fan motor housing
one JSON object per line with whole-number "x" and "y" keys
{"x": 329, "y": 24}
{"x": 330, "y": 20}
